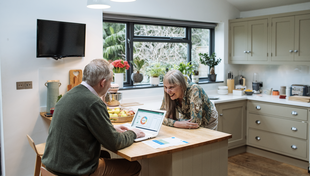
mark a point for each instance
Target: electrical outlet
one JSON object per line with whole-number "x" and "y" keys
{"x": 28, "y": 85}
{"x": 24, "y": 85}
{"x": 20, "y": 85}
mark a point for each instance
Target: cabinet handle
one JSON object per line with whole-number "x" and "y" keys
{"x": 295, "y": 51}
{"x": 221, "y": 114}
{"x": 294, "y": 113}
{"x": 257, "y": 122}
{"x": 245, "y": 52}
{"x": 249, "y": 52}
{"x": 290, "y": 51}
{"x": 294, "y": 129}
{"x": 258, "y": 107}
{"x": 257, "y": 138}
{"x": 294, "y": 147}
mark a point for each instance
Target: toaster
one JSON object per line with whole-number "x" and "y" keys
{"x": 299, "y": 90}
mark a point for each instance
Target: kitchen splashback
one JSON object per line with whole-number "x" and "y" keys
{"x": 275, "y": 76}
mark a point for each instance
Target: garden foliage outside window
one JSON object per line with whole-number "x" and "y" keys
{"x": 165, "y": 44}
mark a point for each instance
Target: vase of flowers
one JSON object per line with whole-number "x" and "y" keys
{"x": 119, "y": 69}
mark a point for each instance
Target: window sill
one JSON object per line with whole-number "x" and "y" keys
{"x": 147, "y": 86}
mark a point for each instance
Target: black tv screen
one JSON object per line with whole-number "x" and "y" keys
{"x": 60, "y": 39}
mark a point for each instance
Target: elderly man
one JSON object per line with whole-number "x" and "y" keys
{"x": 81, "y": 125}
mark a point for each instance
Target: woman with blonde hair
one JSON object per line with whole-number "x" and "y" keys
{"x": 190, "y": 101}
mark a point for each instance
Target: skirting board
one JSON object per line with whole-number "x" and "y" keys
{"x": 274, "y": 156}
{"x": 278, "y": 157}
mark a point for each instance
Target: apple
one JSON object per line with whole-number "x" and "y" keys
{"x": 114, "y": 115}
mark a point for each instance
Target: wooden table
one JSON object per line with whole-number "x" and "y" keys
{"x": 205, "y": 154}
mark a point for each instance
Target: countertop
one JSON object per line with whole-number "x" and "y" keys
{"x": 155, "y": 102}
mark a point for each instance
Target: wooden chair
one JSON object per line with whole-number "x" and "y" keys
{"x": 45, "y": 172}
{"x": 39, "y": 149}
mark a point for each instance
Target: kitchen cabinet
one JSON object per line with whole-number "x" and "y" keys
{"x": 232, "y": 120}
{"x": 271, "y": 39}
{"x": 290, "y": 38}
{"x": 249, "y": 40}
{"x": 278, "y": 128}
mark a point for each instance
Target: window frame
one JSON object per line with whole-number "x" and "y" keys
{"x": 130, "y": 21}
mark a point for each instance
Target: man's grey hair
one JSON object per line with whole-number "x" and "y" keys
{"x": 97, "y": 70}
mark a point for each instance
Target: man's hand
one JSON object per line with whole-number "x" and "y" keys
{"x": 138, "y": 132}
{"x": 120, "y": 128}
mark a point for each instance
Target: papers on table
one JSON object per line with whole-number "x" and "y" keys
{"x": 166, "y": 142}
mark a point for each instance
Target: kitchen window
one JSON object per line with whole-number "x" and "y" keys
{"x": 168, "y": 42}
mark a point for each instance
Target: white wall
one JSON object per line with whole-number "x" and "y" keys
{"x": 20, "y": 108}
{"x": 274, "y": 76}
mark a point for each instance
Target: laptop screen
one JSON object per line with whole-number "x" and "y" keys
{"x": 148, "y": 120}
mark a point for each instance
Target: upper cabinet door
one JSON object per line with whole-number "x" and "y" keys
{"x": 238, "y": 41}
{"x": 258, "y": 40}
{"x": 282, "y": 39}
{"x": 302, "y": 38}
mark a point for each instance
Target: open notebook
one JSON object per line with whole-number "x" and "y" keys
{"x": 149, "y": 121}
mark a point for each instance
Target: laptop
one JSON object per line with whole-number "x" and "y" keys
{"x": 149, "y": 121}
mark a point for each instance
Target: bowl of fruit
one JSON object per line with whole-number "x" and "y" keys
{"x": 118, "y": 115}
{"x": 248, "y": 92}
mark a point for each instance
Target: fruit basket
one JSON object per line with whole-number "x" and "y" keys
{"x": 119, "y": 115}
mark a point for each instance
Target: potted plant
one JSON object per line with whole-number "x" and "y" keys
{"x": 205, "y": 59}
{"x": 137, "y": 64}
{"x": 195, "y": 73}
{"x": 195, "y": 76}
{"x": 154, "y": 71}
{"x": 186, "y": 69}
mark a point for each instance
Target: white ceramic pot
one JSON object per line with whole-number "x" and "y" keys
{"x": 119, "y": 79}
{"x": 195, "y": 78}
{"x": 154, "y": 81}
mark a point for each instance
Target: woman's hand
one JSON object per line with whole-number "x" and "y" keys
{"x": 186, "y": 124}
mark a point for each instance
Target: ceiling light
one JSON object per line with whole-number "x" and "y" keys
{"x": 98, "y": 4}
{"x": 123, "y": 0}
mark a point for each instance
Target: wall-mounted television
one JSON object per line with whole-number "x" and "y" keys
{"x": 58, "y": 39}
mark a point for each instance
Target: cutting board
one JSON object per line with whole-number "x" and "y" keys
{"x": 299, "y": 98}
{"x": 75, "y": 77}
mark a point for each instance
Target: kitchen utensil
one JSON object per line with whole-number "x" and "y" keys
{"x": 299, "y": 90}
{"x": 113, "y": 99}
{"x": 230, "y": 85}
{"x": 238, "y": 92}
{"x": 75, "y": 78}
{"x": 114, "y": 88}
{"x": 222, "y": 92}
{"x": 300, "y": 98}
{"x": 248, "y": 93}
{"x": 256, "y": 87}
{"x": 130, "y": 104}
{"x": 222, "y": 87}
{"x": 268, "y": 91}
{"x": 283, "y": 90}
{"x": 282, "y": 96}
{"x": 52, "y": 93}
{"x": 275, "y": 92}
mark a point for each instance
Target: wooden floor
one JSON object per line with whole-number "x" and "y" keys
{"x": 247, "y": 164}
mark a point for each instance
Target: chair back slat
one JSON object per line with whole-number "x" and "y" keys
{"x": 32, "y": 144}
{"x": 45, "y": 172}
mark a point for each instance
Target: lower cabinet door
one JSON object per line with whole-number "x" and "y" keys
{"x": 285, "y": 145}
{"x": 232, "y": 120}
